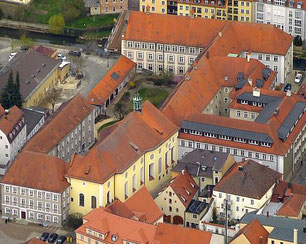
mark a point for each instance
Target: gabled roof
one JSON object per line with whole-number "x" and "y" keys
{"x": 9, "y": 121}
{"x": 61, "y": 123}
{"x": 254, "y": 232}
{"x": 184, "y": 187}
{"x": 142, "y": 202}
{"x": 126, "y": 143}
{"x": 248, "y": 179}
{"x": 114, "y": 77}
{"x": 37, "y": 171}
{"x": 293, "y": 206}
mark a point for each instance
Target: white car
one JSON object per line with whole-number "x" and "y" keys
{"x": 298, "y": 78}
{"x": 61, "y": 56}
{"x": 11, "y": 56}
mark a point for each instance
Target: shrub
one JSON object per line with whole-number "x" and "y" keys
{"x": 132, "y": 84}
{"x": 297, "y": 41}
{"x": 74, "y": 221}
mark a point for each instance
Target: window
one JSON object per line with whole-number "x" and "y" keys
{"x": 139, "y": 66}
{"x": 151, "y": 171}
{"x": 275, "y": 58}
{"x": 252, "y": 202}
{"x": 14, "y": 190}
{"x": 93, "y": 202}
{"x": 55, "y": 219}
{"x": 81, "y": 200}
{"x": 170, "y": 58}
{"x": 192, "y": 50}
{"x": 160, "y": 57}
{"x": 160, "y": 47}
{"x": 267, "y": 57}
{"x": 108, "y": 198}
{"x": 220, "y": 195}
{"x": 7, "y": 189}
{"x": 181, "y": 70}
{"x": 259, "y": 56}
{"x": 134, "y": 182}
{"x": 139, "y": 55}
{"x": 150, "y": 56}
{"x": 126, "y": 190}
{"x": 48, "y": 196}
{"x": 130, "y": 55}
{"x": 160, "y": 166}
{"x": 22, "y": 192}
{"x": 181, "y": 59}
{"x": 191, "y": 59}
{"x": 245, "y": 114}
{"x": 182, "y": 49}
{"x": 48, "y": 218}
{"x": 129, "y": 44}
{"x": 238, "y": 113}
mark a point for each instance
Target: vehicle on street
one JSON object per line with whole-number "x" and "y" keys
{"x": 52, "y": 238}
{"x": 11, "y": 56}
{"x": 287, "y": 87}
{"x": 61, "y": 56}
{"x": 75, "y": 53}
{"x": 61, "y": 240}
{"x": 298, "y": 78}
{"x": 44, "y": 236}
{"x": 24, "y": 48}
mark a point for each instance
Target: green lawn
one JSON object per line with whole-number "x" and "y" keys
{"x": 93, "y": 21}
{"x": 155, "y": 95}
{"x": 106, "y": 125}
{"x": 98, "y": 34}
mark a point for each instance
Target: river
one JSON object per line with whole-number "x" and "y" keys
{"x": 42, "y": 37}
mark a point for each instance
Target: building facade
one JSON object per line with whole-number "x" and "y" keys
{"x": 289, "y": 16}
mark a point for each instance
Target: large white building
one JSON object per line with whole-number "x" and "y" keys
{"x": 13, "y": 135}
{"x": 246, "y": 188}
{"x": 290, "y": 16}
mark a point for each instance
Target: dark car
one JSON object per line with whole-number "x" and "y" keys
{"x": 52, "y": 238}
{"x": 44, "y": 236}
{"x": 75, "y": 53}
{"x": 61, "y": 240}
{"x": 287, "y": 87}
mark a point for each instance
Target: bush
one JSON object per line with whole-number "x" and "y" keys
{"x": 297, "y": 41}
{"x": 126, "y": 96}
{"x": 132, "y": 84}
{"x": 74, "y": 221}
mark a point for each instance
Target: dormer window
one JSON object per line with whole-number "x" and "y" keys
{"x": 193, "y": 186}
{"x": 183, "y": 198}
{"x": 187, "y": 192}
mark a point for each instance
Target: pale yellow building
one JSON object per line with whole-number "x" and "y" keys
{"x": 139, "y": 150}
{"x": 154, "y": 6}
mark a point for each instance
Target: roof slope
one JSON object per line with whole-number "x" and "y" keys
{"x": 48, "y": 171}
{"x": 253, "y": 181}
{"x": 142, "y": 202}
{"x": 184, "y": 187}
{"x": 123, "y": 145}
{"x": 292, "y": 206}
{"x": 254, "y": 232}
{"x": 10, "y": 120}
{"x": 114, "y": 77}
{"x": 64, "y": 120}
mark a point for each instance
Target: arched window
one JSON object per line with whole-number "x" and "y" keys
{"x": 108, "y": 200}
{"x": 93, "y": 202}
{"x": 81, "y": 200}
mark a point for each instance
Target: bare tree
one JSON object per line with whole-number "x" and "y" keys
{"x": 119, "y": 111}
{"x": 53, "y": 96}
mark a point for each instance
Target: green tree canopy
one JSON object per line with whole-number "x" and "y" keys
{"x": 57, "y": 24}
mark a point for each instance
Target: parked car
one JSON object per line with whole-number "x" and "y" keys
{"x": 52, "y": 238}
{"x": 298, "y": 78}
{"x": 75, "y": 53}
{"x": 61, "y": 56}
{"x": 12, "y": 55}
{"x": 61, "y": 240}
{"x": 24, "y": 48}
{"x": 287, "y": 87}
{"x": 44, "y": 236}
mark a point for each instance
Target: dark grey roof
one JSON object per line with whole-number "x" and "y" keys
{"x": 266, "y": 72}
{"x": 202, "y": 162}
{"x": 268, "y": 110}
{"x": 260, "y": 83}
{"x": 240, "y": 84}
{"x": 196, "y": 207}
{"x": 32, "y": 118}
{"x": 92, "y": 3}
{"x": 248, "y": 96}
{"x": 33, "y": 68}
{"x": 207, "y": 192}
{"x": 283, "y": 227}
{"x": 240, "y": 76}
{"x": 226, "y": 131}
{"x": 290, "y": 120}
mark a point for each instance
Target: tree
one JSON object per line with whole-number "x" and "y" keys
{"x": 56, "y": 24}
{"x": 23, "y": 41}
{"x": 297, "y": 41}
{"x": 53, "y": 96}
{"x": 10, "y": 94}
{"x": 119, "y": 111}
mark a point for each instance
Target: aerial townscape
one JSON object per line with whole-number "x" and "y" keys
{"x": 153, "y": 121}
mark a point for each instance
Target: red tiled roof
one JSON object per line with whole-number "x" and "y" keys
{"x": 184, "y": 187}
{"x": 254, "y": 232}
{"x": 142, "y": 202}
{"x": 65, "y": 119}
{"x": 103, "y": 90}
{"x": 292, "y": 206}
{"x": 9, "y": 121}
{"x": 34, "y": 241}
{"x": 44, "y": 50}
{"x": 253, "y": 181}
{"x": 124, "y": 145}
{"x": 37, "y": 171}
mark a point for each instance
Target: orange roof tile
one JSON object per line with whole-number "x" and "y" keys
{"x": 34, "y": 241}
{"x": 184, "y": 187}
{"x": 103, "y": 90}
{"x": 167, "y": 233}
{"x": 48, "y": 171}
{"x": 253, "y": 181}
{"x": 9, "y": 121}
{"x": 292, "y": 206}
{"x": 254, "y": 232}
{"x": 171, "y": 29}
{"x": 123, "y": 145}
{"x": 63, "y": 121}
{"x": 141, "y": 201}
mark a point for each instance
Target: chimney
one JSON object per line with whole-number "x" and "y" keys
{"x": 226, "y": 78}
{"x": 267, "y": 214}
{"x": 261, "y": 240}
{"x": 207, "y": 54}
{"x": 147, "y": 9}
{"x": 256, "y": 92}
{"x": 288, "y": 93}
{"x": 250, "y": 81}
{"x": 240, "y": 168}
{"x": 220, "y": 34}
{"x": 6, "y": 112}
{"x": 295, "y": 236}
{"x": 183, "y": 172}
{"x": 192, "y": 14}
{"x": 248, "y": 56}
{"x": 276, "y": 111}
